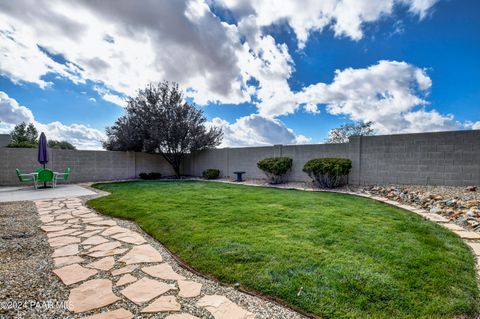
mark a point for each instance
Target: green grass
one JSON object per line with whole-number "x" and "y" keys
{"x": 333, "y": 255}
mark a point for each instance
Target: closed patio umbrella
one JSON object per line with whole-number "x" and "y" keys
{"x": 43, "y": 152}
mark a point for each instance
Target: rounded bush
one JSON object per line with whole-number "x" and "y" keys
{"x": 211, "y": 173}
{"x": 276, "y": 168}
{"x": 328, "y": 172}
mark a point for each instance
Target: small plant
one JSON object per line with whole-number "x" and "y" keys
{"x": 211, "y": 173}
{"x": 328, "y": 172}
{"x": 152, "y": 175}
{"x": 276, "y": 168}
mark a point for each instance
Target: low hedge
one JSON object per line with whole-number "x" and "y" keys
{"x": 152, "y": 175}
{"x": 328, "y": 172}
{"x": 211, "y": 173}
{"x": 276, "y": 168}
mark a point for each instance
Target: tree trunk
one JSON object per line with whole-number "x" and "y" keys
{"x": 176, "y": 168}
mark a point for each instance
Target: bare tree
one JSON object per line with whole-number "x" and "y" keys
{"x": 158, "y": 120}
{"x": 342, "y": 133}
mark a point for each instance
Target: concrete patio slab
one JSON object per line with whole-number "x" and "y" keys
{"x": 15, "y": 194}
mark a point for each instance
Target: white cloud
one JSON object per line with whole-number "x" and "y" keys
{"x": 345, "y": 17}
{"x": 92, "y": 99}
{"x": 137, "y": 44}
{"x": 115, "y": 99}
{"x": 472, "y": 125}
{"x": 255, "y": 130}
{"x": 389, "y": 93}
{"x": 108, "y": 96}
{"x": 83, "y": 137}
{"x": 13, "y": 113}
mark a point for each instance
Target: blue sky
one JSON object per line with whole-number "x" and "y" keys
{"x": 266, "y": 75}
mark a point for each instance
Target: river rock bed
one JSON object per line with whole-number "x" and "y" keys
{"x": 459, "y": 204}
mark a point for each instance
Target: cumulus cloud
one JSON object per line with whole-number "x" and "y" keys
{"x": 83, "y": 137}
{"x": 137, "y": 44}
{"x": 345, "y": 17}
{"x": 13, "y": 113}
{"x": 255, "y": 130}
{"x": 473, "y": 125}
{"x": 390, "y": 93}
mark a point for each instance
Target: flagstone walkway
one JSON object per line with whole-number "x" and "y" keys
{"x": 113, "y": 271}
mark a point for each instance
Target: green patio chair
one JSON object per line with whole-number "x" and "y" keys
{"x": 45, "y": 175}
{"x": 61, "y": 176}
{"x": 24, "y": 178}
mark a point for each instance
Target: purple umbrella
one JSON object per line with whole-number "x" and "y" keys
{"x": 42, "y": 150}
{"x": 43, "y": 153}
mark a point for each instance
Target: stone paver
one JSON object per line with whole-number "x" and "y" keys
{"x": 105, "y": 222}
{"x": 63, "y": 261}
{"x": 63, "y": 241}
{"x": 130, "y": 237}
{"x": 163, "y": 271}
{"x": 189, "y": 289}
{"x": 72, "y": 274}
{"x": 124, "y": 270}
{"x": 114, "y": 230}
{"x": 108, "y": 252}
{"x": 435, "y": 218}
{"x": 112, "y": 314}
{"x": 61, "y": 233}
{"x": 475, "y": 247}
{"x": 181, "y": 316}
{"x": 92, "y": 219}
{"x": 92, "y": 294}
{"x": 49, "y": 229}
{"x": 142, "y": 254}
{"x": 90, "y": 233}
{"x": 103, "y": 264}
{"x": 126, "y": 279}
{"x": 145, "y": 290}
{"x": 471, "y": 235}
{"x": 64, "y": 216}
{"x": 165, "y": 303}
{"x": 453, "y": 226}
{"x": 106, "y": 246}
{"x": 68, "y": 250}
{"x": 46, "y": 219}
{"x": 94, "y": 240}
{"x": 223, "y": 308}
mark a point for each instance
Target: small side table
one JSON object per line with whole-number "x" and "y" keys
{"x": 239, "y": 176}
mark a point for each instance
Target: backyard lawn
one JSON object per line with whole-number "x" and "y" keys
{"x": 333, "y": 255}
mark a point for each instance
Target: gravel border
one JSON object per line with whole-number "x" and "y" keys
{"x": 29, "y": 288}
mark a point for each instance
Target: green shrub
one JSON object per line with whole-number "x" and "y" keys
{"x": 152, "y": 175}
{"x": 211, "y": 173}
{"x": 276, "y": 168}
{"x": 328, "y": 172}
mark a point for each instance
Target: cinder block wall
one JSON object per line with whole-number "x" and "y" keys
{"x": 443, "y": 158}
{"x": 86, "y": 166}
